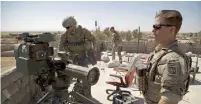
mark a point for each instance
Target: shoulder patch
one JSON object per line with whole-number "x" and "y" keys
{"x": 173, "y": 67}
{"x": 162, "y": 62}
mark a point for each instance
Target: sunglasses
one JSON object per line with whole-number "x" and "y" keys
{"x": 158, "y": 26}
{"x": 68, "y": 27}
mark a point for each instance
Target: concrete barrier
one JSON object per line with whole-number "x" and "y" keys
{"x": 17, "y": 88}
{"x": 147, "y": 47}
{"x": 7, "y": 53}
{"x": 7, "y": 47}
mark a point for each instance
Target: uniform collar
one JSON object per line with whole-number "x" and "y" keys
{"x": 170, "y": 45}
{"x": 157, "y": 48}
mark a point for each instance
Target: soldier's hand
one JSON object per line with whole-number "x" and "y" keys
{"x": 69, "y": 61}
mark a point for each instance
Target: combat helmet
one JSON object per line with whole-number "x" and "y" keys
{"x": 69, "y": 21}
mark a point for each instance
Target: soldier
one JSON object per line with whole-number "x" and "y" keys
{"x": 79, "y": 43}
{"x": 116, "y": 44}
{"x": 168, "y": 72}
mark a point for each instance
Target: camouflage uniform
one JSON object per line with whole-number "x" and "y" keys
{"x": 78, "y": 44}
{"x": 117, "y": 45}
{"x": 168, "y": 75}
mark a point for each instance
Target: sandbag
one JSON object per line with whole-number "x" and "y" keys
{"x": 103, "y": 53}
{"x": 113, "y": 63}
{"x": 105, "y": 58}
{"x": 190, "y": 54}
{"x": 109, "y": 54}
{"x": 123, "y": 53}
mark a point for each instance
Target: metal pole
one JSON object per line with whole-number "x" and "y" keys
{"x": 138, "y": 39}
{"x": 96, "y": 25}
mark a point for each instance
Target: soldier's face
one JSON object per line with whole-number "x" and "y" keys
{"x": 161, "y": 30}
{"x": 112, "y": 30}
{"x": 70, "y": 28}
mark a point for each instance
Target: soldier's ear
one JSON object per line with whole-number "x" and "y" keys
{"x": 173, "y": 29}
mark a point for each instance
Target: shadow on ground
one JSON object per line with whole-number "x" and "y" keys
{"x": 96, "y": 101}
{"x": 196, "y": 82}
{"x": 139, "y": 100}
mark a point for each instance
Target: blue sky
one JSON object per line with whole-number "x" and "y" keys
{"x": 48, "y": 15}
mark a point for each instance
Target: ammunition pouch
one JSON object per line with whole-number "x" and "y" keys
{"x": 74, "y": 43}
{"x": 142, "y": 80}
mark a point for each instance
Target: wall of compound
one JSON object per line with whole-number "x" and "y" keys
{"x": 17, "y": 88}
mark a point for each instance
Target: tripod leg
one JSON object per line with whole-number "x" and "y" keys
{"x": 82, "y": 98}
{"x": 45, "y": 97}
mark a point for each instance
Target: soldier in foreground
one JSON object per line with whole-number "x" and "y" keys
{"x": 168, "y": 78}
{"x": 79, "y": 43}
{"x": 116, "y": 44}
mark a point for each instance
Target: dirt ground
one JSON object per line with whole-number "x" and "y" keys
{"x": 7, "y": 63}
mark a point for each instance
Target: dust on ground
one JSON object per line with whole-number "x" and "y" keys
{"x": 7, "y": 63}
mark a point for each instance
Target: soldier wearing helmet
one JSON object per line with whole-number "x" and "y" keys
{"x": 117, "y": 44}
{"x": 80, "y": 44}
{"x": 77, "y": 40}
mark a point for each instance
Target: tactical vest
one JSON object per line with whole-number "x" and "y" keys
{"x": 117, "y": 38}
{"x": 77, "y": 42}
{"x": 152, "y": 73}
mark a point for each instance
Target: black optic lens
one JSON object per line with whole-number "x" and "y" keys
{"x": 157, "y": 26}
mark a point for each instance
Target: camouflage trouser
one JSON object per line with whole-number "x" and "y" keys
{"x": 118, "y": 49}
